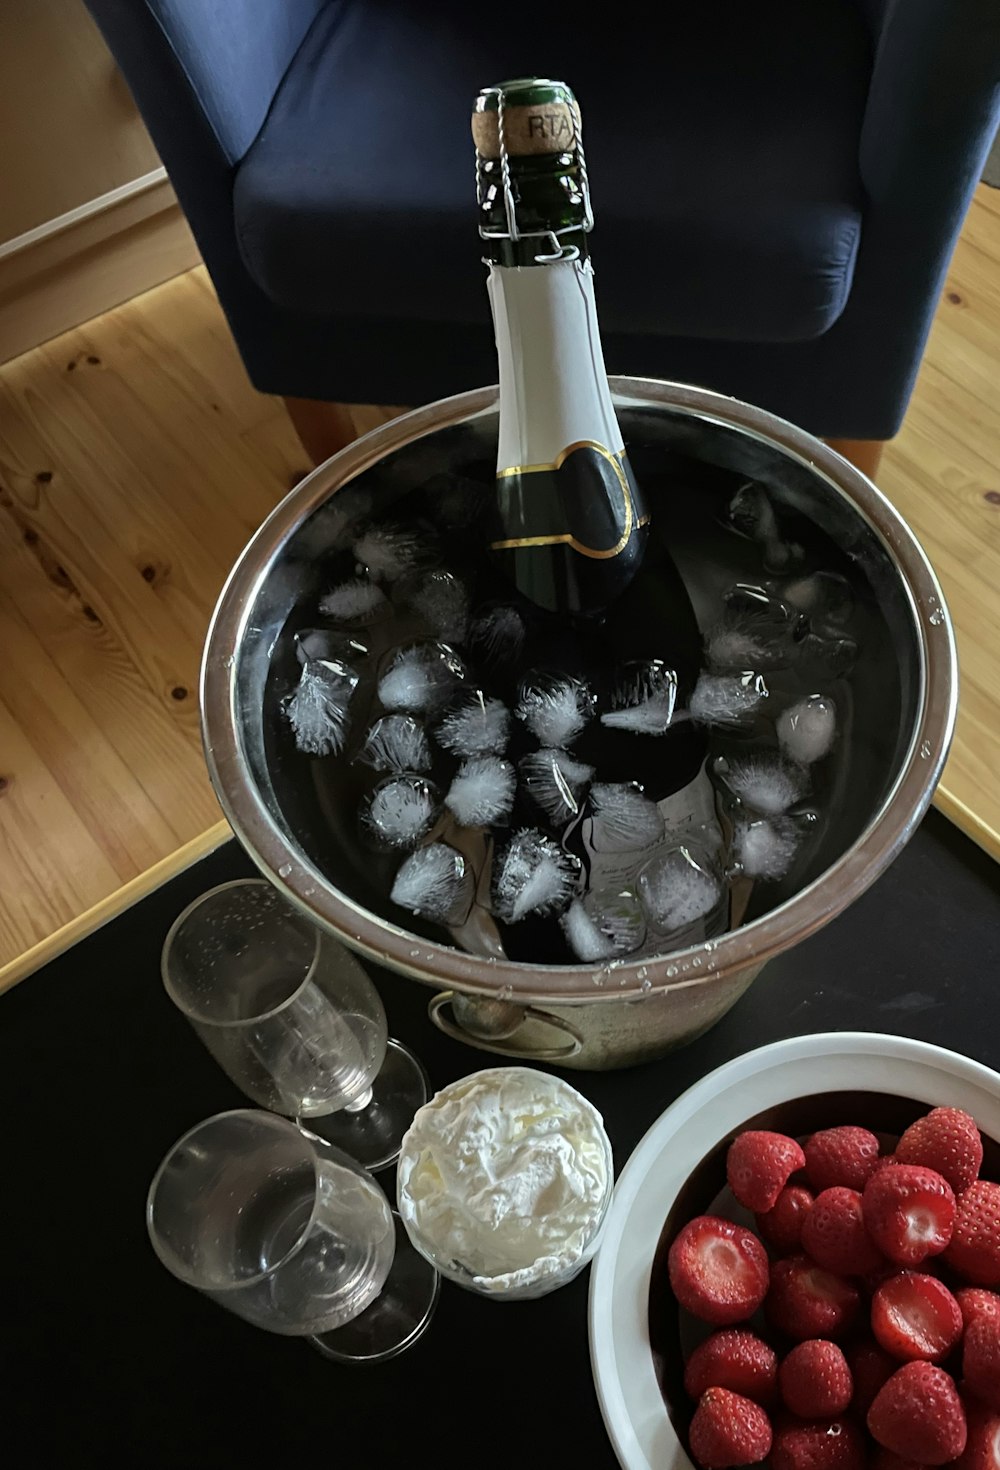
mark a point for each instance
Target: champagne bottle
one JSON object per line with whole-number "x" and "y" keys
{"x": 570, "y": 524}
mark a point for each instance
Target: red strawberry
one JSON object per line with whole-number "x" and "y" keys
{"x": 781, "y": 1226}
{"x": 886, "y": 1460}
{"x": 805, "y": 1301}
{"x": 974, "y": 1251}
{"x": 909, "y": 1212}
{"x": 728, "y": 1429}
{"x": 758, "y": 1165}
{"x": 736, "y": 1359}
{"x": 830, "y": 1444}
{"x": 918, "y": 1414}
{"x": 870, "y": 1367}
{"x": 946, "y": 1140}
{"x": 834, "y": 1233}
{"x": 718, "y": 1270}
{"x": 815, "y": 1380}
{"x": 981, "y": 1360}
{"x": 838, "y": 1157}
{"x": 915, "y": 1316}
{"x": 976, "y": 1301}
{"x": 982, "y": 1449}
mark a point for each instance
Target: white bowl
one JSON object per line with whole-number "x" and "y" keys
{"x": 678, "y": 1167}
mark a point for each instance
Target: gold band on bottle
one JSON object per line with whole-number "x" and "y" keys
{"x": 566, "y": 538}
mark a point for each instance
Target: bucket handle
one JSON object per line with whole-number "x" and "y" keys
{"x": 438, "y": 1010}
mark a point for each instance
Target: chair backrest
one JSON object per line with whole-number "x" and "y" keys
{"x": 233, "y": 53}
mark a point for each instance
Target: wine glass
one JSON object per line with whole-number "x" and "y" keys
{"x": 290, "y": 1234}
{"x": 292, "y": 1019}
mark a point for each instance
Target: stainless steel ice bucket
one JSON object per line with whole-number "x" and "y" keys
{"x": 587, "y": 1016}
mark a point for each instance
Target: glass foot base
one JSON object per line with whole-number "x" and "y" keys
{"x": 373, "y": 1134}
{"x": 396, "y": 1318}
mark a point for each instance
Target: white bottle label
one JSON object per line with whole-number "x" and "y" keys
{"x": 553, "y": 384}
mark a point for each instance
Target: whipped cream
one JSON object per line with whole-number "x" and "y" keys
{"x": 504, "y": 1178}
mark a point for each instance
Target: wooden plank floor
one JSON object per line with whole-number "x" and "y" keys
{"x": 135, "y": 461}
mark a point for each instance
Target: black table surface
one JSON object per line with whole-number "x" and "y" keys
{"x": 109, "y": 1360}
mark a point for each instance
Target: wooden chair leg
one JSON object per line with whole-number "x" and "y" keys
{"x": 865, "y": 454}
{"x": 323, "y": 427}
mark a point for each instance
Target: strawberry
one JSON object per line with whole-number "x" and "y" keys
{"x": 982, "y": 1448}
{"x": 781, "y": 1225}
{"x": 915, "y": 1316}
{"x": 918, "y": 1414}
{"x": 728, "y": 1429}
{"x": 976, "y": 1301}
{"x": 886, "y": 1460}
{"x": 758, "y": 1165}
{"x": 909, "y": 1212}
{"x": 736, "y": 1359}
{"x": 946, "y": 1140}
{"x": 974, "y": 1251}
{"x": 841, "y": 1157}
{"x": 805, "y": 1301}
{"x": 718, "y": 1270}
{"x": 870, "y": 1366}
{"x": 834, "y": 1233}
{"x": 815, "y": 1380}
{"x": 981, "y": 1360}
{"x": 830, "y": 1444}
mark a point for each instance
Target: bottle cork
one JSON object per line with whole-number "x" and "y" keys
{"x": 539, "y": 116}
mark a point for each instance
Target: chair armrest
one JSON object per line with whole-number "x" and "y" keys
{"x": 932, "y": 106}
{"x": 230, "y": 55}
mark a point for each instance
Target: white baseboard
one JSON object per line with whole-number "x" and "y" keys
{"x": 86, "y": 261}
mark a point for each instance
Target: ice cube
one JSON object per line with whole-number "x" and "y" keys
{"x": 497, "y": 636}
{"x": 727, "y": 699}
{"x": 329, "y": 646}
{"x": 748, "y": 637}
{"x": 397, "y": 743}
{"x": 421, "y": 678}
{"x": 436, "y": 883}
{"x": 477, "y": 726}
{"x": 401, "y": 810}
{"x": 624, "y": 819}
{"x": 605, "y": 923}
{"x": 555, "y": 782}
{"x": 679, "y": 888}
{"x": 766, "y": 848}
{"x": 833, "y": 657}
{"x": 388, "y": 550}
{"x": 357, "y": 601}
{"x": 554, "y": 707}
{"x": 454, "y": 501}
{"x": 752, "y": 515}
{"x": 443, "y": 603}
{"x": 643, "y": 698}
{"x": 532, "y": 875}
{"x": 764, "y": 781}
{"x": 482, "y": 793}
{"x": 806, "y": 730}
{"x": 825, "y": 597}
{"x": 319, "y": 710}
{"x": 583, "y": 936}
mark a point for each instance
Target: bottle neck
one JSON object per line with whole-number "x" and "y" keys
{"x": 554, "y": 391}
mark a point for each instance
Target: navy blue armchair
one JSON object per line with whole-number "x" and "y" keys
{"x": 778, "y": 186}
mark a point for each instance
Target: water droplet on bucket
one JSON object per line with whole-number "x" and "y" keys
{"x": 642, "y": 973}
{"x": 505, "y": 992}
{"x": 937, "y": 617}
{"x": 925, "y": 749}
{"x": 414, "y": 954}
{"x": 228, "y": 661}
{"x": 671, "y": 971}
{"x": 646, "y": 985}
{"x": 285, "y": 870}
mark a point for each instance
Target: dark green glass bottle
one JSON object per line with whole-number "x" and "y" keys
{"x": 570, "y": 522}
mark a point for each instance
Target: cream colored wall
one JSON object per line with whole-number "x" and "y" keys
{"x": 87, "y": 219}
